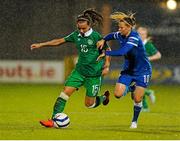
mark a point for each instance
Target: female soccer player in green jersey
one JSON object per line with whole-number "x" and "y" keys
{"x": 153, "y": 55}
{"x": 88, "y": 72}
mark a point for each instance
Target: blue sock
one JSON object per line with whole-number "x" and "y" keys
{"x": 137, "y": 110}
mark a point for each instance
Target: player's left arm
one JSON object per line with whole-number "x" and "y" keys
{"x": 131, "y": 42}
{"x": 120, "y": 52}
{"x": 111, "y": 36}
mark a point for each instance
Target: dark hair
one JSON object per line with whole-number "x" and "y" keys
{"x": 91, "y": 16}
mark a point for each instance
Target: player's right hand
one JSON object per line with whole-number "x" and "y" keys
{"x": 100, "y": 56}
{"x": 100, "y": 44}
{"x": 34, "y": 46}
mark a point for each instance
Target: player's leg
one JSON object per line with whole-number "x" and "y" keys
{"x": 62, "y": 99}
{"x": 93, "y": 86}
{"x": 93, "y": 102}
{"x": 132, "y": 88}
{"x": 122, "y": 86}
{"x": 138, "y": 95}
{"x": 141, "y": 84}
{"x": 151, "y": 95}
{"x": 145, "y": 107}
{"x": 120, "y": 89}
{"x": 59, "y": 105}
{"x": 74, "y": 81}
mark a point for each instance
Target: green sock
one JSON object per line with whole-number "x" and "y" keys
{"x": 99, "y": 100}
{"x": 144, "y": 102}
{"x": 59, "y": 106}
{"x": 148, "y": 92}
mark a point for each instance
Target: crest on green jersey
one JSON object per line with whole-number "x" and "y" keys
{"x": 90, "y": 42}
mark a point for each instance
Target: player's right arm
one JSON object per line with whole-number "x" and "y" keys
{"x": 152, "y": 52}
{"x": 53, "y": 42}
{"x": 154, "y": 57}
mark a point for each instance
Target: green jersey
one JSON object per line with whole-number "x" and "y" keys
{"x": 88, "y": 52}
{"x": 150, "y": 48}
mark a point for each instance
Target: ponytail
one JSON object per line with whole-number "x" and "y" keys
{"x": 126, "y": 18}
{"x": 91, "y": 16}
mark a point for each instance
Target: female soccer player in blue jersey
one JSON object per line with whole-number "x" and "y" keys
{"x": 137, "y": 68}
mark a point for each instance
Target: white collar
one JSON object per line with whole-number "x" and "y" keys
{"x": 87, "y": 33}
{"x": 145, "y": 41}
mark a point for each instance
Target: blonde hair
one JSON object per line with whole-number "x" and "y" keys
{"x": 129, "y": 18}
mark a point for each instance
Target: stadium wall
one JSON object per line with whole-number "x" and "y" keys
{"x": 31, "y": 71}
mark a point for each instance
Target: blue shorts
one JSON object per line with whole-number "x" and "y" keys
{"x": 141, "y": 80}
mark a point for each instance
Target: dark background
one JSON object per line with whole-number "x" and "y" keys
{"x": 23, "y": 22}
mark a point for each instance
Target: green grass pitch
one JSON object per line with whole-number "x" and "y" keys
{"x": 23, "y": 105}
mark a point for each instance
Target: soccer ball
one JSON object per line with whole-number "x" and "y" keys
{"x": 61, "y": 120}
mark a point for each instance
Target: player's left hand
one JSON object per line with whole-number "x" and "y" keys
{"x": 100, "y": 44}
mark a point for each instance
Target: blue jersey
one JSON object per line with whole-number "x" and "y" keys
{"x": 132, "y": 48}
